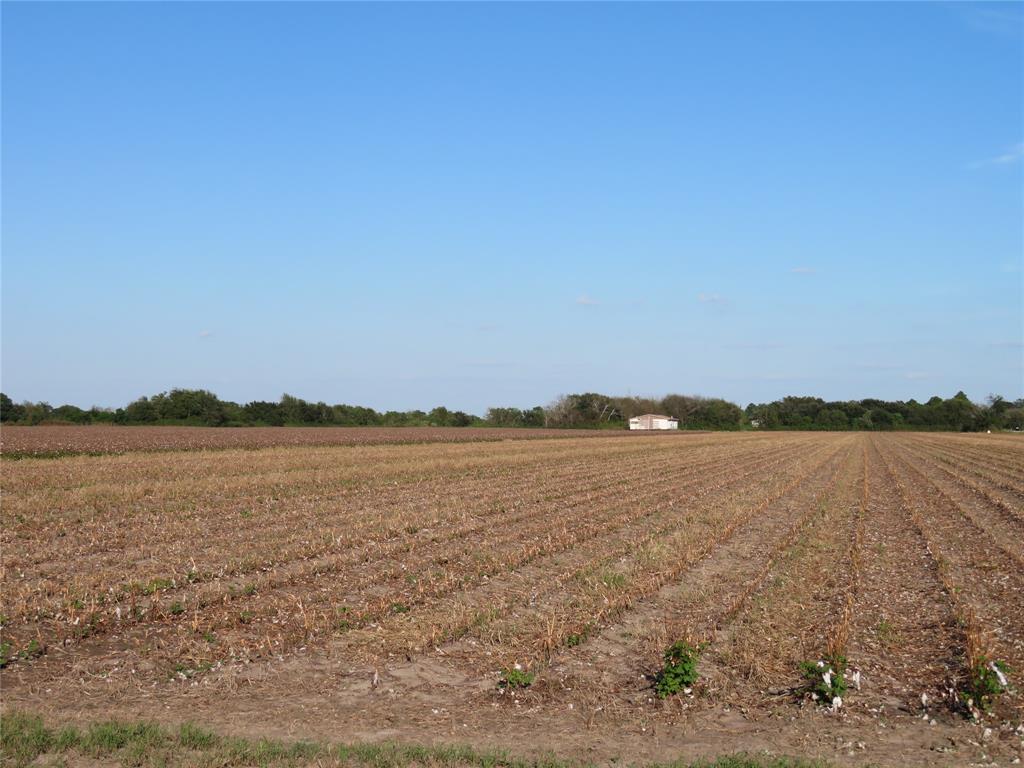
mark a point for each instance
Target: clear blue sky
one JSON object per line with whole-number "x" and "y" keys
{"x": 405, "y": 205}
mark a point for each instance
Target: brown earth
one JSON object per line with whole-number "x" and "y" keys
{"x": 378, "y": 591}
{"x": 49, "y": 440}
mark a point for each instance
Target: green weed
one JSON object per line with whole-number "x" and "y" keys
{"x": 988, "y": 679}
{"x": 825, "y": 680}
{"x": 680, "y": 670}
{"x": 515, "y": 677}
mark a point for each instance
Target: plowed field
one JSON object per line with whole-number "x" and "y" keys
{"x": 381, "y": 591}
{"x": 57, "y": 441}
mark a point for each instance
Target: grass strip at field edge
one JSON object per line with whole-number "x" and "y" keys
{"x": 24, "y": 738}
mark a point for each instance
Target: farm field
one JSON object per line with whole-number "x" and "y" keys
{"x": 373, "y": 590}
{"x": 56, "y": 441}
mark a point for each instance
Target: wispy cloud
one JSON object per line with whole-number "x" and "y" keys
{"x": 754, "y": 345}
{"x": 1007, "y": 344}
{"x": 1007, "y": 21}
{"x": 1011, "y": 155}
{"x": 205, "y": 334}
{"x": 488, "y": 363}
{"x": 766, "y": 377}
{"x": 587, "y": 301}
{"x": 710, "y": 298}
{"x": 804, "y": 271}
{"x": 916, "y": 375}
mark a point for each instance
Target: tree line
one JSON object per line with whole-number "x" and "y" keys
{"x": 589, "y": 410}
{"x": 199, "y": 407}
{"x": 955, "y": 414}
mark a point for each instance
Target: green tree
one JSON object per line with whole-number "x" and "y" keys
{"x": 9, "y": 411}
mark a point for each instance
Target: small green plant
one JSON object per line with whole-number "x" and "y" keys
{"x": 250, "y": 590}
{"x": 31, "y": 651}
{"x": 826, "y": 680}
{"x": 177, "y": 609}
{"x": 399, "y": 608}
{"x": 515, "y": 677}
{"x": 886, "y": 631}
{"x": 613, "y": 580}
{"x": 185, "y": 672}
{"x": 86, "y": 628}
{"x": 245, "y": 617}
{"x": 5, "y": 654}
{"x": 680, "y": 670}
{"x": 987, "y": 680}
{"x": 155, "y": 585}
{"x": 573, "y": 640}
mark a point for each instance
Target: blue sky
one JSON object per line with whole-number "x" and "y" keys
{"x": 404, "y": 205}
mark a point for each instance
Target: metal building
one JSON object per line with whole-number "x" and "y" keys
{"x": 653, "y": 421}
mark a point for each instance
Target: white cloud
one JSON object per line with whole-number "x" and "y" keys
{"x": 710, "y": 298}
{"x": 205, "y": 334}
{"x": 1011, "y": 155}
{"x": 804, "y": 271}
{"x": 916, "y": 375}
{"x": 587, "y": 301}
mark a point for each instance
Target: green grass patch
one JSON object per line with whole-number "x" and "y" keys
{"x": 26, "y": 738}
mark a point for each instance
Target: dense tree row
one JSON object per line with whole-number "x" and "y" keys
{"x": 203, "y": 408}
{"x": 957, "y": 414}
{"x": 589, "y": 410}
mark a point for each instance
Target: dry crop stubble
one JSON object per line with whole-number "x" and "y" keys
{"x": 983, "y": 582}
{"x": 97, "y": 439}
{"x": 794, "y": 615}
{"x": 588, "y": 585}
{"x": 695, "y": 600}
{"x": 1005, "y": 497}
{"x": 903, "y": 632}
{"x": 214, "y": 543}
{"x": 209, "y": 523}
{"x": 184, "y": 576}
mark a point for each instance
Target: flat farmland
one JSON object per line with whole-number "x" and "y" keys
{"x": 57, "y": 441}
{"x": 383, "y": 589}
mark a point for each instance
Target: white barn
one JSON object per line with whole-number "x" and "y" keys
{"x": 653, "y": 421}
